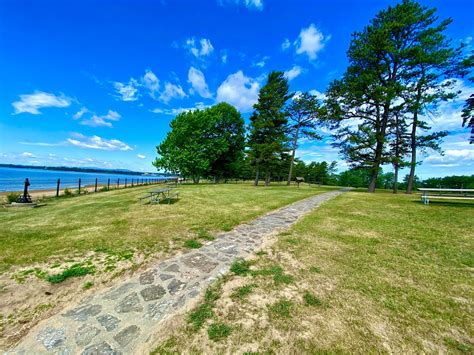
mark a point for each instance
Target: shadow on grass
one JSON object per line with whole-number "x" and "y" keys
{"x": 454, "y": 203}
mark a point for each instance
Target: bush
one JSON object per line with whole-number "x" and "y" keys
{"x": 103, "y": 189}
{"x": 13, "y": 197}
{"x": 68, "y": 192}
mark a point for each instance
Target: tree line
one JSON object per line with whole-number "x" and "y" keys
{"x": 401, "y": 68}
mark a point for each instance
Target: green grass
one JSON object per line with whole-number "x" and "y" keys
{"x": 243, "y": 291}
{"x": 116, "y": 220}
{"x": 73, "y": 271}
{"x": 218, "y": 331}
{"x": 241, "y": 267}
{"x": 199, "y": 315}
{"x": 371, "y": 273}
{"x": 281, "y": 309}
{"x": 192, "y": 243}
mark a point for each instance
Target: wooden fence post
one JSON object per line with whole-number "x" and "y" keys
{"x": 57, "y": 187}
{"x": 118, "y": 183}
{"x": 79, "y": 186}
{"x": 95, "y": 189}
{"x": 125, "y": 182}
{"x": 108, "y": 184}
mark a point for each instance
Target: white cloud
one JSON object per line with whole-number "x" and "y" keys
{"x": 261, "y": 63}
{"x": 224, "y": 58}
{"x": 28, "y": 155}
{"x": 178, "y": 110}
{"x": 250, "y": 4}
{"x": 172, "y": 91}
{"x": 32, "y": 103}
{"x": 198, "y": 82}
{"x": 141, "y": 156}
{"x": 286, "y": 44}
{"x": 102, "y": 121}
{"x": 293, "y": 72}
{"x": 80, "y": 113}
{"x": 239, "y": 90}
{"x": 452, "y": 157}
{"x": 199, "y": 48}
{"x": 127, "y": 92}
{"x": 310, "y": 41}
{"x": 96, "y": 142}
{"x": 151, "y": 82}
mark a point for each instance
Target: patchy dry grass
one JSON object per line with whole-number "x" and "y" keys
{"x": 370, "y": 273}
{"x": 116, "y": 221}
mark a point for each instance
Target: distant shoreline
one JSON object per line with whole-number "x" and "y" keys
{"x": 83, "y": 170}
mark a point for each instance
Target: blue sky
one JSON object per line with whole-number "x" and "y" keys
{"x": 96, "y": 83}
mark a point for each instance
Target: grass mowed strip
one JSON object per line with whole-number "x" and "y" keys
{"x": 369, "y": 273}
{"x": 116, "y": 221}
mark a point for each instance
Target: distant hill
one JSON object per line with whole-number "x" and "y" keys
{"x": 84, "y": 169}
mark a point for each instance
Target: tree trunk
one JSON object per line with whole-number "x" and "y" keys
{"x": 295, "y": 142}
{"x": 375, "y": 167}
{"x": 411, "y": 177}
{"x": 395, "y": 179}
{"x": 267, "y": 178}
{"x": 196, "y": 179}
{"x": 256, "y": 178}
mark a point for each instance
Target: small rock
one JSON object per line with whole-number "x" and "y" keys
{"x": 119, "y": 291}
{"x": 172, "y": 268}
{"x": 108, "y": 321}
{"x": 165, "y": 277}
{"x": 200, "y": 262}
{"x": 175, "y": 286}
{"x": 152, "y": 293}
{"x": 51, "y": 338}
{"x": 85, "y": 334}
{"x": 102, "y": 348}
{"x": 147, "y": 277}
{"x": 126, "y": 336}
{"x": 156, "y": 311}
{"x": 129, "y": 304}
{"x": 83, "y": 312}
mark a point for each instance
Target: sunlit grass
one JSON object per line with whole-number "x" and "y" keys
{"x": 116, "y": 221}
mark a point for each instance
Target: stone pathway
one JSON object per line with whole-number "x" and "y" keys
{"x": 124, "y": 318}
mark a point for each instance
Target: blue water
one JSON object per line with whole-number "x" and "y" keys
{"x": 12, "y": 179}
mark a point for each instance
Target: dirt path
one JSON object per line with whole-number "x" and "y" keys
{"x": 125, "y": 317}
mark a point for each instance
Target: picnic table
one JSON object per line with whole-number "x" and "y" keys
{"x": 164, "y": 193}
{"x": 450, "y": 194}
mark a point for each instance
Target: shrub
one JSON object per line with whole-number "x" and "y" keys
{"x": 13, "y": 197}
{"x": 103, "y": 189}
{"x": 68, "y": 192}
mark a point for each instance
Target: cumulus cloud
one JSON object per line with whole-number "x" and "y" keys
{"x": 101, "y": 121}
{"x": 310, "y": 41}
{"x": 141, "y": 156}
{"x": 199, "y": 48}
{"x": 452, "y": 157}
{"x": 293, "y": 72}
{"x": 198, "y": 82}
{"x": 32, "y": 103}
{"x": 96, "y": 142}
{"x": 80, "y": 113}
{"x": 127, "y": 92}
{"x": 239, "y": 90}
{"x": 172, "y": 91}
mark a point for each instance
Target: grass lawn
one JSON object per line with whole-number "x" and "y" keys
{"x": 115, "y": 222}
{"x": 365, "y": 273}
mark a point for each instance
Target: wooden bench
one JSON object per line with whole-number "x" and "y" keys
{"x": 446, "y": 194}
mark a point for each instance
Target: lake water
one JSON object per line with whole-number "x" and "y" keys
{"x": 12, "y": 179}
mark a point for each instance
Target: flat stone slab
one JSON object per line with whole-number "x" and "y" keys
{"x": 125, "y": 318}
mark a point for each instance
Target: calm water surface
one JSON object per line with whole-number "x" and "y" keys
{"x": 12, "y": 179}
